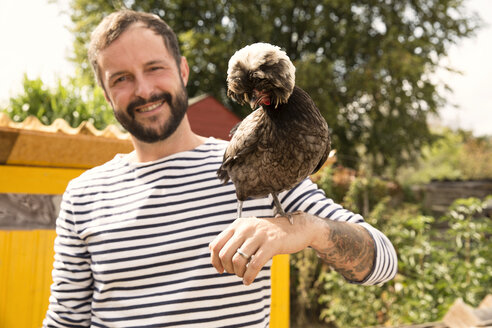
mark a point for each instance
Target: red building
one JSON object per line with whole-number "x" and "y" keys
{"x": 208, "y": 117}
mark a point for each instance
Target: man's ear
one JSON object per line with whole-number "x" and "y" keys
{"x": 184, "y": 70}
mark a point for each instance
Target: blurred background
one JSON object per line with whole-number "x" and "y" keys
{"x": 404, "y": 86}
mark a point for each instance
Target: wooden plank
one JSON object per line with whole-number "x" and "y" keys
{"x": 35, "y": 180}
{"x": 68, "y": 151}
{"x": 486, "y": 302}
{"x": 461, "y": 315}
{"x": 26, "y": 260}
{"x": 8, "y": 138}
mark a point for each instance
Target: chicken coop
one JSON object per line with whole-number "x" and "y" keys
{"x": 36, "y": 164}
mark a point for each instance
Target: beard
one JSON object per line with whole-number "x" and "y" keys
{"x": 177, "y": 105}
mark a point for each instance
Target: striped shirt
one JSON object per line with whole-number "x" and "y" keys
{"x": 132, "y": 245}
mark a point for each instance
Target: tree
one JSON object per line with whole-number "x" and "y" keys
{"x": 366, "y": 63}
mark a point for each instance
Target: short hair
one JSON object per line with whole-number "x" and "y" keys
{"x": 113, "y": 25}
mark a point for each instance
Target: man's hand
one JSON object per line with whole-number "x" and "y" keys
{"x": 347, "y": 247}
{"x": 260, "y": 239}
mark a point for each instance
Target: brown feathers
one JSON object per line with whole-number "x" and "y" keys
{"x": 284, "y": 140}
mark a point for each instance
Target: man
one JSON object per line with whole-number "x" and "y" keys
{"x": 135, "y": 236}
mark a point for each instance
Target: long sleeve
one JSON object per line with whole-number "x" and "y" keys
{"x": 71, "y": 291}
{"x": 308, "y": 198}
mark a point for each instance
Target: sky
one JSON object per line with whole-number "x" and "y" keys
{"x": 35, "y": 41}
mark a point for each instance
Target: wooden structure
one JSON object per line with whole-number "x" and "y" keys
{"x": 36, "y": 163}
{"x": 461, "y": 315}
{"x": 439, "y": 195}
{"x": 208, "y": 117}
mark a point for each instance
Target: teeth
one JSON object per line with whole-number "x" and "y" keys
{"x": 148, "y": 109}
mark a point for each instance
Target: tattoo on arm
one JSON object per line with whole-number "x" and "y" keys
{"x": 350, "y": 250}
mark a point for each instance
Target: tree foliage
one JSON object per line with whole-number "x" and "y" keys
{"x": 73, "y": 101}
{"x": 366, "y": 63}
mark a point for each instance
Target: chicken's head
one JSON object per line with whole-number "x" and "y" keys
{"x": 260, "y": 74}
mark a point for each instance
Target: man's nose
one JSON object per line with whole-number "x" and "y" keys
{"x": 143, "y": 88}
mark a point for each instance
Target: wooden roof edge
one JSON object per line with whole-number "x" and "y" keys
{"x": 198, "y": 98}
{"x": 86, "y": 128}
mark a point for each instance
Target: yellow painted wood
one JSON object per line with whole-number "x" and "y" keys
{"x": 280, "y": 307}
{"x": 47, "y": 149}
{"x": 26, "y": 257}
{"x": 35, "y": 180}
{"x": 26, "y": 261}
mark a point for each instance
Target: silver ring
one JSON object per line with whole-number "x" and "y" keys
{"x": 240, "y": 252}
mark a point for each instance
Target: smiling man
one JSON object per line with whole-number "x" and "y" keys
{"x": 150, "y": 238}
{"x": 146, "y": 86}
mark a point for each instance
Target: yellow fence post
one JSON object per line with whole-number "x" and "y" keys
{"x": 280, "y": 306}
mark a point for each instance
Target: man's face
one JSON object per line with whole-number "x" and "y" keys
{"x": 144, "y": 84}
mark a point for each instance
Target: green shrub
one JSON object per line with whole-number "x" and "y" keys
{"x": 365, "y": 193}
{"x": 72, "y": 101}
{"x": 335, "y": 181}
{"x": 453, "y": 156}
{"x": 305, "y": 274}
{"x": 477, "y": 159}
{"x": 439, "y": 260}
{"x": 469, "y": 250}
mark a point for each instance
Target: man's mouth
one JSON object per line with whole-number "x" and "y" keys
{"x": 150, "y": 107}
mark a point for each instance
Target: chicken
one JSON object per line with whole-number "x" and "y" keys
{"x": 283, "y": 140}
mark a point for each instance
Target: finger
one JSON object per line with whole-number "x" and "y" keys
{"x": 255, "y": 265}
{"x": 239, "y": 262}
{"x": 216, "y": 246}
{"x": 227, "y": 253}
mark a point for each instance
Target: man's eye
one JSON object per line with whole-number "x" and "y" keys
{"x": 120, "y": 79}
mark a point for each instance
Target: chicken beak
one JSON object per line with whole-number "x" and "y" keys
{"x": 253, "y": 104}
{"x": 259, "y": 99}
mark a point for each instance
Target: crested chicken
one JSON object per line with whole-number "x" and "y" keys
{"x": 284, "y": 139}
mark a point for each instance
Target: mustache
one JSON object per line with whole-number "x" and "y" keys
{"x": 164, "y": 96}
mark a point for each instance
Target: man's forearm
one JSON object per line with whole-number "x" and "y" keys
{"x": 346, "y": 247}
